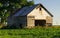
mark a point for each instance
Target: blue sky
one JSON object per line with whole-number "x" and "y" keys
{"x": 54, "y": 7}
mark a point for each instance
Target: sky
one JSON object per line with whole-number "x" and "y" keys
{"x": 52, "y": 6}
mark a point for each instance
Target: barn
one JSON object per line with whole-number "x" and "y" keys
{"x": 30, "y": 16}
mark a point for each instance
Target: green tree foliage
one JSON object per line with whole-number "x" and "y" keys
{"x": 8, "y": 7}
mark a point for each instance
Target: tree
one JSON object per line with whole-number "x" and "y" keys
{"x": 7, "y": 7}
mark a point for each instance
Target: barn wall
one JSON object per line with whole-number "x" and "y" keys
{"x": 23, "y": 20}
{"x": 18, "y": 21}
{"x": 49, "y": 20}
{"x": 39, "y": 14}
{"x": 30, "y": 21}
{"x": 10, "y": 21}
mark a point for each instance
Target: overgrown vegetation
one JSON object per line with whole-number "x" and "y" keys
{"x": 37, "y": 32}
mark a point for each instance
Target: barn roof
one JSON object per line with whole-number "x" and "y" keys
{"x": 26, "y": 10}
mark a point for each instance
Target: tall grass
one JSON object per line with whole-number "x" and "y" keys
{"x": 37, "y": 32}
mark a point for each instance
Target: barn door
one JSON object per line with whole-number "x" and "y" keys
{"x": 40, "y": 22}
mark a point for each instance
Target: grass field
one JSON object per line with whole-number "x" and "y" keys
{"x": 37, "y": 32}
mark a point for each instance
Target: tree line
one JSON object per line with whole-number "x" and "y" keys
{"x": 7, "y": 7}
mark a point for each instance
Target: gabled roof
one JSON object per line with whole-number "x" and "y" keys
{"x": 26, "y": 10}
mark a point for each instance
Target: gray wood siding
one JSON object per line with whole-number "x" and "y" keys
{"x": 10, "y": 21}
{"x": 49, "y": 19}
{"x": 30, "y": 21}
{"x": 22, "y": 20}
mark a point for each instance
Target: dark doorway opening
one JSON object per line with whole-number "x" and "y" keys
{"x": 40, "y": 22}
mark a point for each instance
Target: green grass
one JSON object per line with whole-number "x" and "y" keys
{"x": 38, "y": 32}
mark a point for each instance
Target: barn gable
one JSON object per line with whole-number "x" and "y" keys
{"x": 40, "y": 12}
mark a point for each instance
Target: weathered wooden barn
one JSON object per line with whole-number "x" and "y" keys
{"x": 36, "y": 15}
